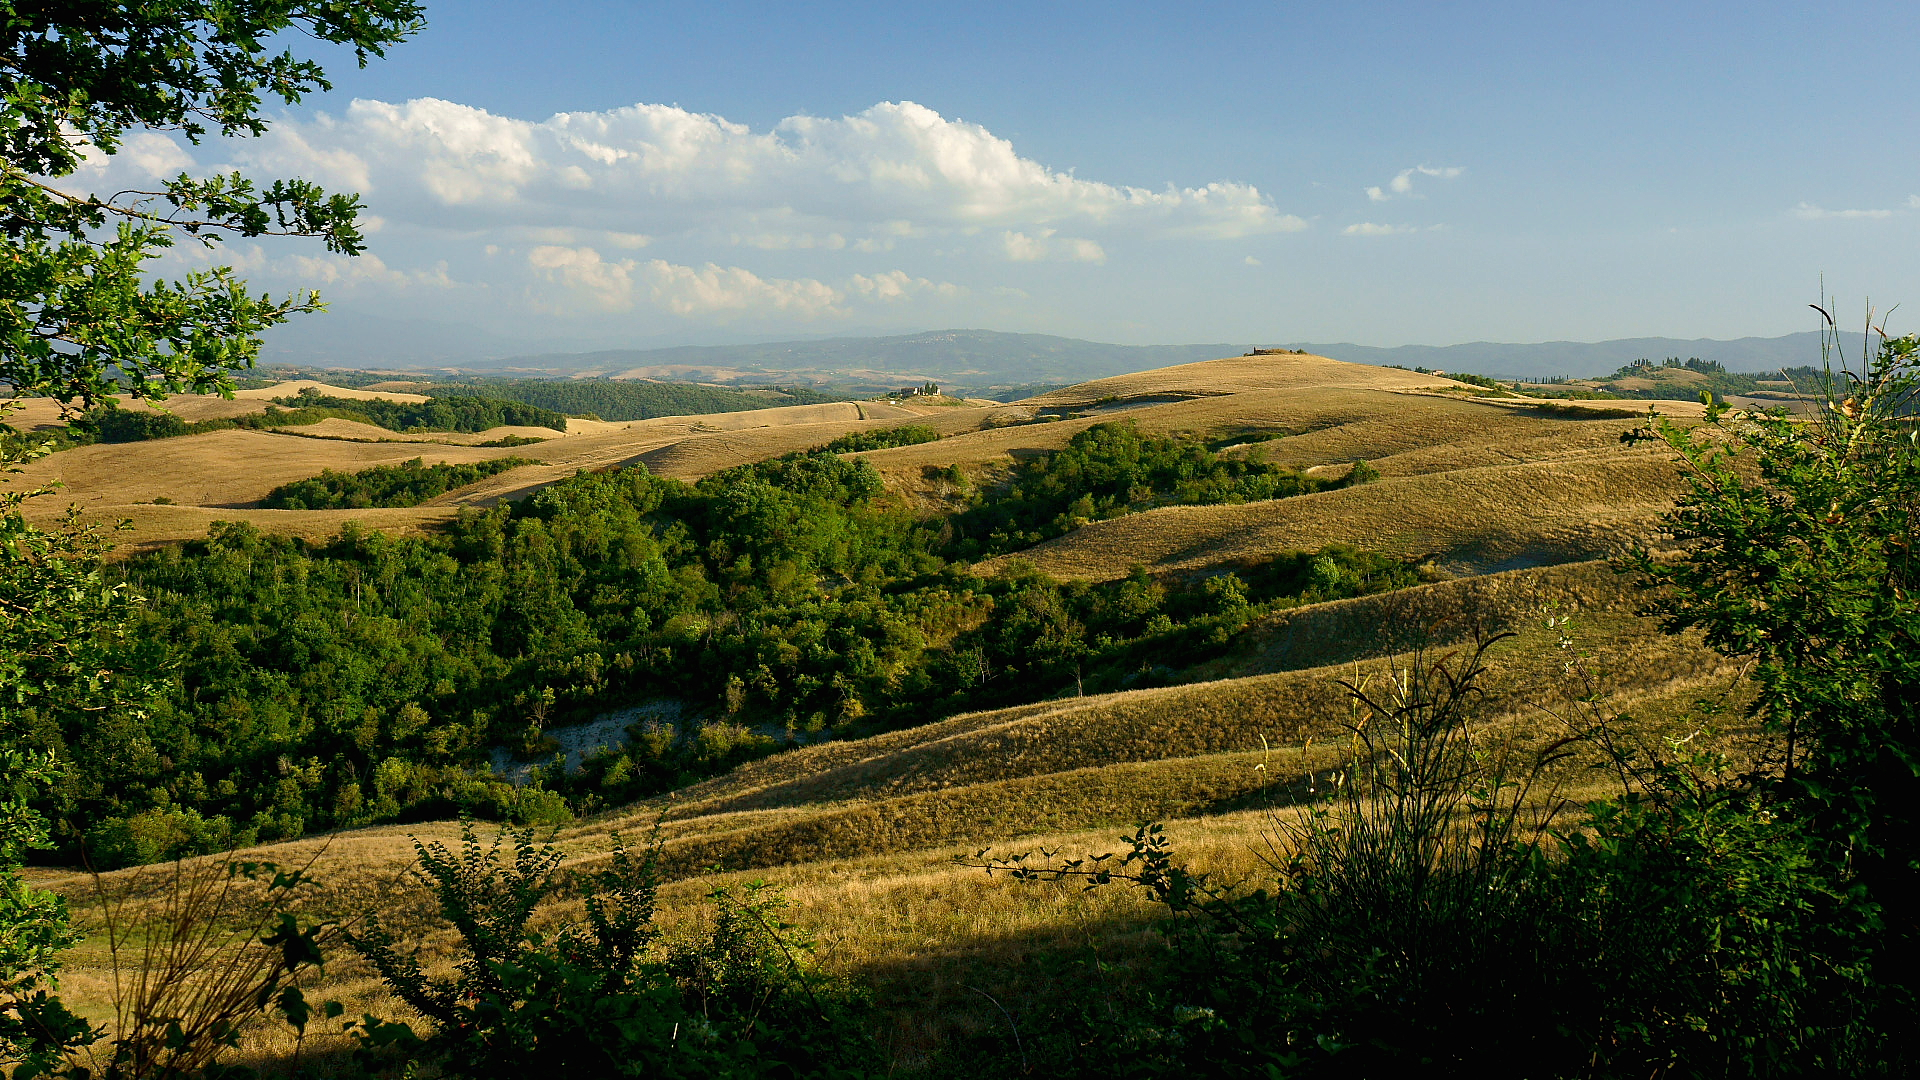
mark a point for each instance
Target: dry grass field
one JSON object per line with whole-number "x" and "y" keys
{"x": 1239, "y": 375}
{"x": 173, "y": 489}
{"x": 35, "y": 414}
{"x": 863, "y": 834}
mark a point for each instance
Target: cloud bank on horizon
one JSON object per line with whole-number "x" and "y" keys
{"x": 653, "y": 212}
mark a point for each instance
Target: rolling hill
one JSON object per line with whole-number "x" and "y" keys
{"x": 1508, "y": 507}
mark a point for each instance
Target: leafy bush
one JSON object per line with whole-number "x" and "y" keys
{"x": 1804, "y": 562}
{"x": 110, "y": 424}
{"x": 409, "y": 483}
{"x": 608, "y": 997}
{"x": 156, "y": 835}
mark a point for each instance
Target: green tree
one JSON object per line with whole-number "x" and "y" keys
{"x": 77, "y": 304}
{"x": 1800, "y": 535}
{"x": 82, "y": 319}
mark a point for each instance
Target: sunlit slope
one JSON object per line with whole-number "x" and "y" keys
{"x": 219, "y": 469}
{"x": 1317, "y": 426}
{"x": 1241, "y": 374}
{"x": 220, "y": 475}
{"x": 1468, "y": 520}
{"x": 865, "y": 831}
{"x": 39, "y": 413}
{"x": 1298, "y": 410}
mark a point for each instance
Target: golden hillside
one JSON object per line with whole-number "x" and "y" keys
{"x": 172, "y": 489}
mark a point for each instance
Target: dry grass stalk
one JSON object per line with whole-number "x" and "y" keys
{"x": 195, "y": 952}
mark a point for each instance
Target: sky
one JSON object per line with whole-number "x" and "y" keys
{"x": 600, "y": 174}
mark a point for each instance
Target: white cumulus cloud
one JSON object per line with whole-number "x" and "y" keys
{"x": 1402, "y": 184}
{"x": 775, "y": 223}
{"x": 1810, "y": 212}
{"x": 1368, "y": 228}
{"x": 713, "y": 289}
{"x": 1042, "y": 244}
{"x": 582, "y": 270}
{"x": 899, "y": 285}
{"x": 657, "y": 168}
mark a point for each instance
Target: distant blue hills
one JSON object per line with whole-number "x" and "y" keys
{"x": 1582, "y": 358}
{"x": 986, "y": 357}
{"x": 982, "y": 358}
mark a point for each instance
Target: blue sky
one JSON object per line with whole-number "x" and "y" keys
{"x": 1384, "y": 174}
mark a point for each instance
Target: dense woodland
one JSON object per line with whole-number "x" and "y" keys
{"x": 883, "y": 439}
{"x": 1721, "y": 382}
{"x": 369, "y": 678}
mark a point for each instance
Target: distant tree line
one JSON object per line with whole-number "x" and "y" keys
{"x": 631, "y": 399}
{"x": 1719, "y": 381}
{"x": 1020, "y": 392}
{"x": 409, "y": 483}
{"x": 108, "y": 423}
{"x": 448, "y": 412}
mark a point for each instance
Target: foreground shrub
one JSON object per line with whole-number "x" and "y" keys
{"x": 1801, "y": 558}
{"x": 607, "y": 997}
{"x": 197, "y": 952}
{"x": 1428, "y": 918}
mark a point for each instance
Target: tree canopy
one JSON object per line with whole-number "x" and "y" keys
{"x": 81, "y": 318}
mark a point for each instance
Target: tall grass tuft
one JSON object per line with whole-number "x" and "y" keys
{"x": 198, "y": 951}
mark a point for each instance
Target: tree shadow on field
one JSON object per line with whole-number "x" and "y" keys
{"x": 1284, "y": 793}
{"x": 1005, "y": 1004}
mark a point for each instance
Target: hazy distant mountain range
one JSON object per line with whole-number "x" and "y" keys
{"x": 1581, "y": 357}
{"x": 981, "y": 358}
{"x": 972, "y": 357}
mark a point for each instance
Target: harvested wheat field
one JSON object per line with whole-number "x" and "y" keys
{"x": 1468, "y": 520}
{"x": 1323, "y": 412}
{"x": 35, "y": 414}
